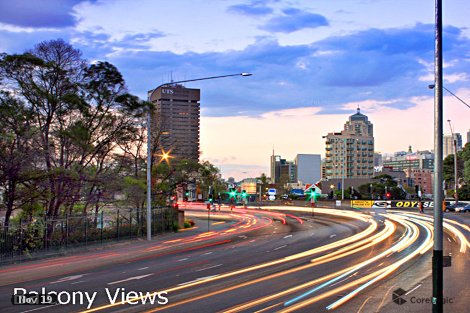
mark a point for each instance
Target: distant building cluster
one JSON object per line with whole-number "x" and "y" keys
{"x": 305, "y": 168}
{"x": 350, "y": 159}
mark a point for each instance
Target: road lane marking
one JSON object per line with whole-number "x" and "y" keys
{"x": 279, "y": 247}
{"x": 207, "y": 253}
{"x": 67, "y": 278}
{"x": 142, "y": 268}
{"x": 333, "y": 236}
{"x": 77, "y": 282}
{"x": 44, "y": 307}
{"x": 180, "y": 260}
{"x": 207, "y": 268}
{"x": 130, "y": 278}
{"x": 288, "y": 236}
{"x": 417, "y": 286}
{"x": 197, "y": 279}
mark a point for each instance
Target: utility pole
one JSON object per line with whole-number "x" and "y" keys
{"x": 437, "y": 258}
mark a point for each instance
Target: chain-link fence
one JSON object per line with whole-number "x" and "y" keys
{"x": 27, "y": 239}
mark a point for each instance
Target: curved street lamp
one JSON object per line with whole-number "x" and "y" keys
{"x": 432, "y": 87}
{"x": 149, "y": 142}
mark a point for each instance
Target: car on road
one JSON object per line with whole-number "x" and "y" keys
{"x": 451, "y": 207}
{"x": 463, "y": 209}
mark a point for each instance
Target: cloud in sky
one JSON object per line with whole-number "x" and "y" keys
{"x": 293, "y": 20}
{"x": 255, "y": 8}
{"x": 41, "y": 14}
{"x": 369, "y": 64}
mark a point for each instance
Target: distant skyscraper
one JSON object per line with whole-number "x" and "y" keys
{"x": 350, "y": 153}
{"x": 378, "y": 159}
{"x": 176, "y": 120}
{"x": 308, "y": 168}
{"x": 459, "y": 141}
{"x": 275, "y": 168}
{"x": 282, "y": 171}
{"x": 448, "y": 144}
{"x": 468, "y": 136}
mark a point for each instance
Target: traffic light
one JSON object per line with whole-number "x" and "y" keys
{"x": 244, "y": 195}
{"x": 211, "y": 194}
{"x": 312, "y": 194}
{"x": 388, "y": 195}
{"x": 232, "y": 193}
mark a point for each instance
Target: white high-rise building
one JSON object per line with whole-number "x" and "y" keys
{"x": 350, "y": 153}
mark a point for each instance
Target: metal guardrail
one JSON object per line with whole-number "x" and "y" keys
{"x": 26, "y": 239}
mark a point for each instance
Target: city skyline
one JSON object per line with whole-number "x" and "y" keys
{"x": 313, "y": 64}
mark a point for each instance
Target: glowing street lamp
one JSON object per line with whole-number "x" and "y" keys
{"x": 165, "y": 156}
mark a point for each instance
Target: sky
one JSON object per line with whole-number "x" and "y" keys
{"x": 313, "y": 64}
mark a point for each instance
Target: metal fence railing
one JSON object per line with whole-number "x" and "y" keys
{"x": 26, "y": 239}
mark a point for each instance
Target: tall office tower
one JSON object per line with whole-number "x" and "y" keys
{"x": 460, "y": 145}
{"x": 350, "y": 153}
{"x": 176, "y": 120}
{"x": 448, "y": 144}
{"x": 275, "y": 168}
{"x": 378, "y": 160}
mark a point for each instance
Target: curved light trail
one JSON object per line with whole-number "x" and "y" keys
{"x": 409, "y": 234}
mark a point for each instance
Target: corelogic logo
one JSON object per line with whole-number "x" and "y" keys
{"x": 397, "y": 296}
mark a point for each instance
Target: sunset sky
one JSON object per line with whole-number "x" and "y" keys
{"x": 313, "y": 64}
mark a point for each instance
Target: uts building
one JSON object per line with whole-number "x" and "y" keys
{"x": 176, "y": 120}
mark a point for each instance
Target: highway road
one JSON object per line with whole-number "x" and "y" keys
{"x": 279, "y": 259}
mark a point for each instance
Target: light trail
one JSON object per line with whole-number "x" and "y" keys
{"x": 411, "y": 223}
{"x": 367, "y": 232}
{"x": 425, "y": 246}
{"x": 368, "y": 279}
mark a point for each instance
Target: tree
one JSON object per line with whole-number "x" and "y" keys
{"x": 382, "y": 184}
{"x": 263, "y": 181}
{"x": 16, "y": 154}
{"x": 81, "y": 112}
{"x": 209, "y": 176}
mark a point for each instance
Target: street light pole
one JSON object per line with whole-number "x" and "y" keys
{"x": 454, "y": 139}
{"x": 149, "y": 143}
{"x": 437, "y": 258}
{"x": 458, "y": 98}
